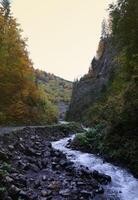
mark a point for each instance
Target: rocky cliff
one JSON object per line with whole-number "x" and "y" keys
{"x": 89, "y": 88}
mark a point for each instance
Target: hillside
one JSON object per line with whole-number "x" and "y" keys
{"x": 90, "y": 88}
{"x": 107, "y": 97}
{"x": 57, "y": 90}
{"x": 21, "y": 101}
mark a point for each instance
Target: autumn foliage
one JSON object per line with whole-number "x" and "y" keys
{"x": 21, "y": 101}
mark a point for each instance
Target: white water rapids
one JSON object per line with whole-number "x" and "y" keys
{"x": 123, "y": 186}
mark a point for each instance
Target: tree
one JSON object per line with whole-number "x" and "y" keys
{"x": 105, "y": 31}
{"x": 21, "y": 101}
{"x": 6, "y": 5}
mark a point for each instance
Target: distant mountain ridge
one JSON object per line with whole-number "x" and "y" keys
{"x": 58, "y": 90}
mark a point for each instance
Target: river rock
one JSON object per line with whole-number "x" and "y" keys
{"x": 23, "y": 195}
{"x": 14, "y": 191}
{"x": 46, "y": 193}
{"x": 43, "y": 173}
{"x": 9, "y": 180}
{"x": 102, "y": 178}
{"x": 11, "y": 147}
{"x": 100, "y": 190}
{"x": 54, "y": 185}
{"x": 65, "y": 193}
{"x": 3, "y": 155}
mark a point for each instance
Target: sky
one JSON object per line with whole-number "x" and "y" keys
{"x": 63, "y": 35}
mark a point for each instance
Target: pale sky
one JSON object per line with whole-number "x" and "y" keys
{"x": 63, "y": 35}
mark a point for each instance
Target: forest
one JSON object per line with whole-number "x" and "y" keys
{"x": 23, "y": 100}
{"x": 114, "y": 78}
{"x": 93, "y": 155}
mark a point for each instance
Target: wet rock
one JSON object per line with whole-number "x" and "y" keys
{"x": 44, "y": 178}
{"x": 20, "y": 146}
{"x": 55, "y": 159}
{"x": 32, "y": 195}
{"x": 37, "y": 183}
{"x": 3, "y": 193}
{"x": 55, "y": 153}
{"x": 39, "y": 164}
{"x": 49, "y": 145}
{"x": 85, "y": 194}
{"x": 42, "y": 173}
{"x": 80, "y": 183}
{"x": 8, "y": 198}
{"x": 53, "y": 164}
{"x": 31, "y": 160}
{"x": 47, "y": 154}
{"x": 11, "y": 147}
{"x": 44, "y": 162}
{"x": 100, "y": 190}
{"x": 63, "y": 163}
{"x": 42, "y": 198}
{"x": 30, "y": 151}
{"x": 32, "y": 167}
{"x": 23, "y": 195}
{"x": 65, "y": 193}
{"x": 54, "y": 185}
{"x": 46, "y": 193}
{"x": 14, "y": 191}
{"x": 102, "y": 178}
{"x": 21, "y": 139}
{"x": 70, "y": 169}
{"x": 3, "y": 155}
{"x": 85, "y": 172}
{"x": 33, "y": 137}
{"x": 9, "y": 180}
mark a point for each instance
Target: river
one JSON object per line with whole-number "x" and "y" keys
{"x": 123, "y": 186}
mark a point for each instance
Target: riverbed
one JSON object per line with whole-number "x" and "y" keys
{"x": 123, "y": 186}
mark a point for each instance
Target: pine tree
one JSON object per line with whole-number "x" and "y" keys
{"x": 6, "y": 6}
{"x": 105, "y": 32}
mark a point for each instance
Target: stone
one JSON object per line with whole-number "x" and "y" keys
{"x": 55, "y": 159}
{"x": 85, "y": 193}
{"x": 23, "y": 195}
{"x": 44, "y": 178}
{"x": 3, "y": 156}
{"x": 8, "y": 179}
{"x": 102, "y": 178}
{"x": 100, "y": 190}
{"x": 80, "y": 183}
{"x": 32, "y": 195}
{"x": 65, "y": 193}
{"x": 63, "y": 163}
{"x": 8, "y": 198}
{"x": 30, "y": 151}
{"x": 37, "y": 183}
{"x": 46, "y": 193}
{"x": 44, "y": 162}
{"x": 54, "y": 185}
{"x": 49, "y": 145}
{"x": 13, "y": 190}
{"x": 11, "y": 147}
{"x": 33, "y": 167}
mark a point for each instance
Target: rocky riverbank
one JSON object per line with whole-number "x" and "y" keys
{"x": 31, "y": 169}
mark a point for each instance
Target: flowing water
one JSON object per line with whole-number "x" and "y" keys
{"x": 123, "y": 186}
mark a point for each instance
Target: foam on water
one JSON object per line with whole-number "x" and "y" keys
{"x": 123, "y": 184}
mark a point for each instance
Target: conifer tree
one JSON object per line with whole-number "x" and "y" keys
{"x": 6, "y": 6}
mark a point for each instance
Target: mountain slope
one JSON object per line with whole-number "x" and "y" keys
{"x": 21, "y": 101}
{"x": 107, "y": 97}
{"x": 91, "y": 86}
{"x": 57, "y": 90}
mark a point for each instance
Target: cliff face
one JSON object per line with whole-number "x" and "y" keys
{"x": 89, "y": 88}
